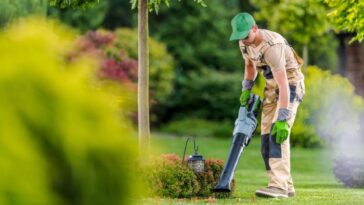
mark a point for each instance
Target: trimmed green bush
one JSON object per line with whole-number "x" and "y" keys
{"x": 62, "y": 138}
{"x": 211, "y": 176}
{"x": 169, "y": 177}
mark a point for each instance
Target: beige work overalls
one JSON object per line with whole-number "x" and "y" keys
{"x": 277, "y": 156}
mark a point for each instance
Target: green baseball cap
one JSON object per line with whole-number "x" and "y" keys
{"x": 241, "y": 23}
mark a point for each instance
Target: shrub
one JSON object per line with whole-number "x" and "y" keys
{"x": 349, "y": 171}
{"x": 199, "y": 128}
{"x": 329, "y": 111}
{"x": 62, "y": 140}
{"x": 211, "y": 176}
{"x": 161, "y": 63}
{"x": 118, "y": 54}
{"x": 205, "y": 94}
{"x": 120, "y": 46}
{"x": 169, "y": 177}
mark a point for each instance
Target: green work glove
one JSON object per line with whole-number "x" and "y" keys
{"x": 244, "y": 97}
{"x": 281, "y": 130}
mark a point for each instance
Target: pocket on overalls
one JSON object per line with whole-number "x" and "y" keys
{"x": 302, "y": 91}
{"x": 270, "y": 94}
{"x": 297, "y": 91}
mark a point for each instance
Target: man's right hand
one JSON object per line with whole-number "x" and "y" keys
{"x": 244, "y": 97}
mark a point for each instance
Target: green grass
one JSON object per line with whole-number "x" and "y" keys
{"x": 311, "y": 171}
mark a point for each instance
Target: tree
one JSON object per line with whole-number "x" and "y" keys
{"x": 348, "y": 15}
{"x": 109, "y": 14}
{"x": 13, "y": 9}
{"x": 299, "y": 20}
{"x": 198, "y": 39}
{"x": 143, "y": 68}
{"x": 83, "y": 20}
{"x": 73, "y": 3}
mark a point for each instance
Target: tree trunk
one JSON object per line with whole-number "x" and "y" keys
{"x": 342, "y": 53}
{"x": 351, "y": 64}
{"x": 305, "y": 57}
{"x": 355, "y": 66}
{"x": 143, "y": 75}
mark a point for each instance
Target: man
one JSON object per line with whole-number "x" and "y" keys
{"x": 269, "y": 52}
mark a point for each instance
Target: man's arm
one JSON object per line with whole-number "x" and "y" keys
{"x": 250, "y": 73}
{"x": 249, "y": 76}
{"x": 275, "y": 58}
{"x": 281, "y": 127}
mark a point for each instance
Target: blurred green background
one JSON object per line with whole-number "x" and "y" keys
{"x": 68, "y": 87}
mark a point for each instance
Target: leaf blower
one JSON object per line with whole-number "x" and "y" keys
{"x": 245, "y": 126}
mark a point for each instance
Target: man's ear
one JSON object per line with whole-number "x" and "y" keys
{"x": 255, "y": 27}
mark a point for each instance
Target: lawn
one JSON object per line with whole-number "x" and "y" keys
{"x": 311, "y": 171}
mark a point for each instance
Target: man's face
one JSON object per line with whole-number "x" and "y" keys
{"x": 249, "y": 40}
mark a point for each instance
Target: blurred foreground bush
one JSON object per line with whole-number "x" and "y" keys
{"x": 62, "y": 138}
{"x": 169, "y": 177}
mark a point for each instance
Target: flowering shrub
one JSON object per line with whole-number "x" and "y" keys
{"x": 115, "y": 64}
{"x": 169, "y": 177}
{"x": 117, "y": 52}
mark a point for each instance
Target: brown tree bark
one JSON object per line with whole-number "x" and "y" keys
{"x": 143, "y": 78}
{"x": 351, "y": 61}
{"x": 355, "y": 66}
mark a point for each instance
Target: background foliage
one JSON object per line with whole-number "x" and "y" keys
{"x": 330, "y": 109}
{"x": 348, "y": 16}
{"x": 13, "y": 9}
{"x": 199, "y": 127}
{"x": 205, "y": 94}
{"x": 74, "y": 3}
{"x": 302, "y": 23}
{"x": 117, "y": 52}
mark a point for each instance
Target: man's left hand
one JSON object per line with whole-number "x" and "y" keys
{"x": 281, "y": 130}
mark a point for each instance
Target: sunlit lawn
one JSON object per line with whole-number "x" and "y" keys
{"x": 311, "y": 170}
